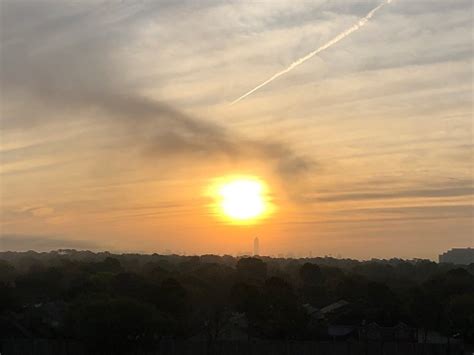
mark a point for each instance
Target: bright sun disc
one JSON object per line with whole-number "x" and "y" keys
{"x": 242, "y": 199}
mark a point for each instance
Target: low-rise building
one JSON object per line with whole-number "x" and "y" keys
{"x": 462, "y": 256}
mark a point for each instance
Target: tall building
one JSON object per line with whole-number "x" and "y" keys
{"x": 256, "y": 247}
{"x": 458, "y": 256}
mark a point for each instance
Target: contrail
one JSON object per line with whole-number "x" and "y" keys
{"x": 333, "y": 41}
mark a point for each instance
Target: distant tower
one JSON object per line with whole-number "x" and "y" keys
{"x": 256, "y": 247}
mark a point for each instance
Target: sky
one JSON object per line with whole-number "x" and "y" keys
{"x": 116, "y": 117}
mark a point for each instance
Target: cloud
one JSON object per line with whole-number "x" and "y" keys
{"x": 416, "y": 193}
{"x": 63, "y": 64}
{"x": 318, "y": 50}
{"x": 15, "y": 242}
{"x": 19, "y": 213}
{"x": 460, "y": 212}
{"x": 432, "y": 211}
{"x": 128, "y": 100}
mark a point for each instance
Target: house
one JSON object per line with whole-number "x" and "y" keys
{"x": 326, "y": 312}
{"x": 399, "y": 333}
{"x": 342, "y": 332}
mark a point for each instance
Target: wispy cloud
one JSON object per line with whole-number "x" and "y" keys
{"x": 418, "y": 193}
{"x": 126, "y": 104}
{"x": 65, "y": 66}
{"x": 310, "y": 55}
{"x": 11, "y": 242}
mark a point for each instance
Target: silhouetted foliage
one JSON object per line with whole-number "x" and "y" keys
{"x": 252, "y": 269}
{"x": 127, "y": 301}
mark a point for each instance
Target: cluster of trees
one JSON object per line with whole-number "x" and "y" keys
{"x": 129, "y": 300}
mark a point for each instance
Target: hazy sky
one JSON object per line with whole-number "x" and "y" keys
{"x": 115, "y": 119}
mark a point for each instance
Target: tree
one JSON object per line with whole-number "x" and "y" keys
{"x": 7, "y": 272}
{"x": 116, "y": 325}
{"x": 310, "y": 274}
{"x": 283, "y": 318}
{"x": 460, "y": 316}
{"x": 8, "y": 301}
{"x": 252, "y": 269}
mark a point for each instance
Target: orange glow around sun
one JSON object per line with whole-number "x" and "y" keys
{"x": 242, "y": 200}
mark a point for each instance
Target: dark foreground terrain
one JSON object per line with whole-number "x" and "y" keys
{"x": 79, "y": 302}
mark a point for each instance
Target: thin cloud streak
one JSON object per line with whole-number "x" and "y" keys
{"x": 16, "y": 242}
{"x": 308, "y": 56}
{"x": 419, "y": 193}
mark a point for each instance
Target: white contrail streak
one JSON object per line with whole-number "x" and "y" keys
{"x": 333, "y": 41}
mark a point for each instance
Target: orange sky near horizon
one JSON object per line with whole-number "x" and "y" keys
{"x": 115, "y": 121}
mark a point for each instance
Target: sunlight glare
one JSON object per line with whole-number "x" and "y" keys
{"x": 242, "y": 199}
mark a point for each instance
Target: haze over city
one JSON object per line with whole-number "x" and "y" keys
{"x": 118, "y": 130}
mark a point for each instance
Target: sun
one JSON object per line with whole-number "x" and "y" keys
{"x": 242, "y": 200}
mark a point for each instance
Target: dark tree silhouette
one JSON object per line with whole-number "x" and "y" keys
{"x": 125, "y": 303}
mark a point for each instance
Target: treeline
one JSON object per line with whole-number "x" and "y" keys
{"x": 130, "y": 300}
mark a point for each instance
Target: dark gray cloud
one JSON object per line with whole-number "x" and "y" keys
{"x": 415, "y": 193}
{"x": 64, "y": 63}
{"x": 403, "y": 214}
{"x": 432, "y": 211}
{"x": 15, "y": 242}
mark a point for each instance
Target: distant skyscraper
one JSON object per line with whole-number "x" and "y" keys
{"x": 458, "y": 256}
{"x": 256, "y": 247}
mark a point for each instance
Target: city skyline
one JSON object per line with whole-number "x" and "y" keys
{"x": 22, "y": 244}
